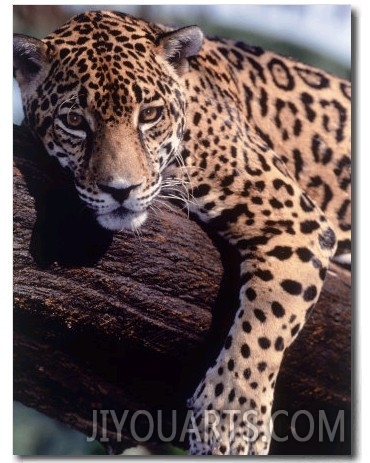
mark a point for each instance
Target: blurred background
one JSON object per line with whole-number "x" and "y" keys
{"x": 315, "y": 34}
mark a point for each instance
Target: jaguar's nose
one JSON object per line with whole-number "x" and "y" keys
{"x": 120, "y": 194}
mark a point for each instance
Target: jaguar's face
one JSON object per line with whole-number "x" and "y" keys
{"x": 117, "y": 155}
{"x": 104, "y": 94}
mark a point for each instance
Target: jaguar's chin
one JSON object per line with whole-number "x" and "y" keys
{"x": 122, "y": 219}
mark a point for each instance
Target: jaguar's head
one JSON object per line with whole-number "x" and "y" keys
{"x": 105, "y": 95}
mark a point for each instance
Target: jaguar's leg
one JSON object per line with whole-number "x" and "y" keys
{"x": 232, "y": 404}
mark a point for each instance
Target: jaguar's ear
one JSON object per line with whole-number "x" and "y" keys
{"x": 29, "y": 56}
{"x": 179, "y": 45}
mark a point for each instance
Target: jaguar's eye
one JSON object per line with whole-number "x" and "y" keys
{"x": 150, "y": 114}
{"x": 73, "y": 120}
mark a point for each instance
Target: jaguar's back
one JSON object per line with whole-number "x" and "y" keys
{"x": 302, "y": 113}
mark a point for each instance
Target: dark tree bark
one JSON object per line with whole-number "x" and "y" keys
{"x": 130, "y": 322}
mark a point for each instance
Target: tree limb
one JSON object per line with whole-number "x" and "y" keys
{"x": 125, "y": 322}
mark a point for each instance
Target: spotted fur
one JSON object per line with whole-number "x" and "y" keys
{"x": 260, "y": 145}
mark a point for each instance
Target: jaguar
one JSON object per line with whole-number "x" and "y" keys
{"x": 259, "y": 145}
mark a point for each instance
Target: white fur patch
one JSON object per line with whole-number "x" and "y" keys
{"x": 344, "y": 259}
{"x": 117, "y": 220}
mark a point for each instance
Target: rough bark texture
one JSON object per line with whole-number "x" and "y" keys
{"x": 125, "y": 322}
